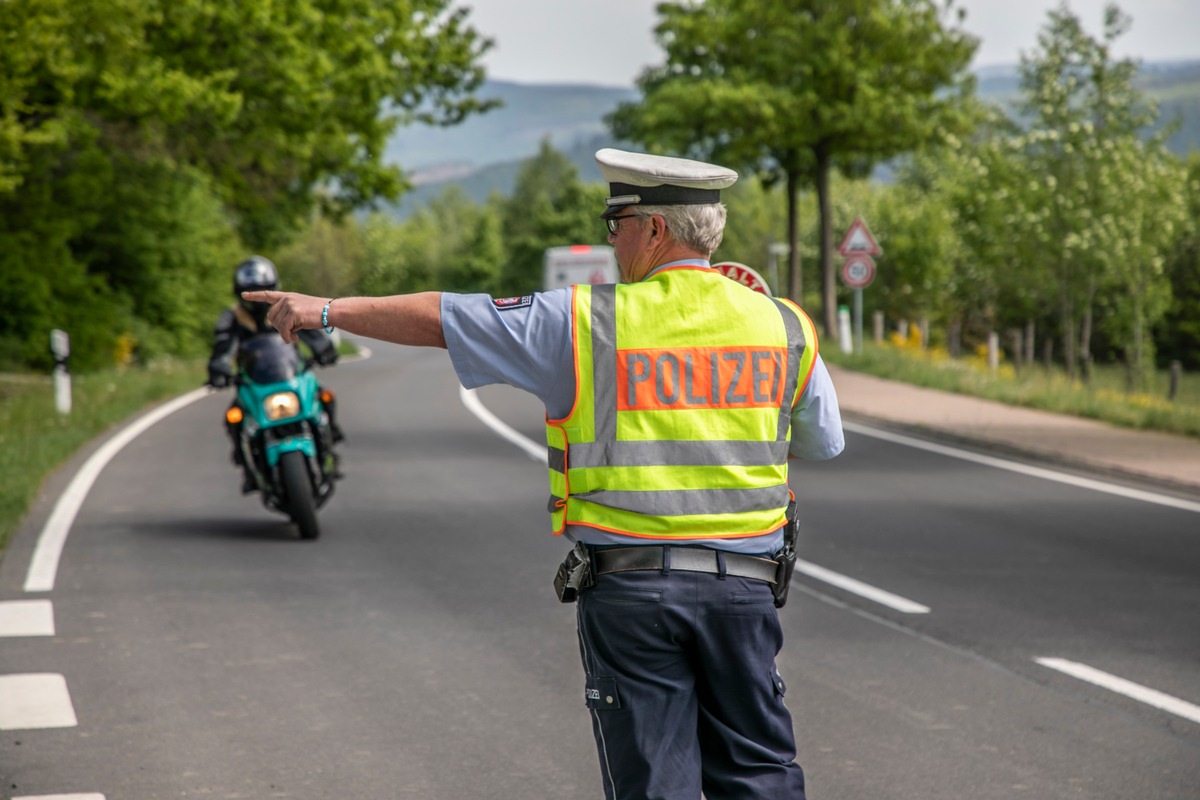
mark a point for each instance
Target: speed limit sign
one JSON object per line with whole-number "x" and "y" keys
{"x": 858, "y": 271}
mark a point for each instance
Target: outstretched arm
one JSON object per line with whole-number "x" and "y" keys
{"x": 413, "y": 319}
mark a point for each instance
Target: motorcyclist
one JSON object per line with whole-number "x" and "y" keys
{"x": 243, "y": 320}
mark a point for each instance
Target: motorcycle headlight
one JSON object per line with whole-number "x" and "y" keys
{"x": 281, "y": 405}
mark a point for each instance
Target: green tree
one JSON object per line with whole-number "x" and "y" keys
{"x": 1178, "y": 332}
{"x": 1086, "y": 117}
{"x": 309, "y": 80}
{"x": 452, "y": 244}
{"x": 795, "y": 90}
{"x": 326, "y": 258}
{"x": 756, "y": 215}
{"x": 915, "y": 273}
{"x": 479, "y": 262}
{"x": 1145, "y": 190}
{"x": 549, "y": 206}
{"x": 139, "y": 138}
{"x": 999, "y": 209}
{"x": 395, "y": 256}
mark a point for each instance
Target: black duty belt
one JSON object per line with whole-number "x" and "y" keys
{"x": 688, "y": 559}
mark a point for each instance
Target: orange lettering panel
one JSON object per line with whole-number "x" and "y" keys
{"x": 700, "y": 377}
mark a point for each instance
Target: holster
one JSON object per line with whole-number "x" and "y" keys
{"x": 785, "y": 559}
{"x": 574, "y": 573}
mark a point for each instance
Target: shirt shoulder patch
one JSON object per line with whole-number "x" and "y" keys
{"x": 509, "y": 303}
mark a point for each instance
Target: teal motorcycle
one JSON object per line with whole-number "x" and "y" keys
{"x": 280, "y": 423}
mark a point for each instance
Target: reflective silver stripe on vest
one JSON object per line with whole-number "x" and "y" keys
{"x": 796, "y": 344}
{"x": 694, "y": 501}
{"x": 556, "y": 458}
{"x": 676, "y": 453}
{"x": 604, "y": 360}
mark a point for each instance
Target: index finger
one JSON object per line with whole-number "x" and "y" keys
{"x": 262, "y": 296}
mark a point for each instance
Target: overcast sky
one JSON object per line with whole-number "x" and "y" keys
{"x": 610, "y": 42}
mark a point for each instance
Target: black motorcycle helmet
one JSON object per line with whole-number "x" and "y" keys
{"x": 255, "y": 274}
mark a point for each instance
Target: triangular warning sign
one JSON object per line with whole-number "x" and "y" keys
{"x": 859, "y": 240}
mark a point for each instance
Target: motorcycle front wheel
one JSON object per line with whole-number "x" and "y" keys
{"x": 296, "y": 483}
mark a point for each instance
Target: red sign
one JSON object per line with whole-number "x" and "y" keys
{"x": 743, "y": 275}
{"x": 858, "y": 271}
{"x": 859, "y": 240}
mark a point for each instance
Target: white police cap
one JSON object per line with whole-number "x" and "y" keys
{"x": 643, "y": 179}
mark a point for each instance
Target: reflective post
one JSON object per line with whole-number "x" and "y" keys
{"x": 60, "y": 346}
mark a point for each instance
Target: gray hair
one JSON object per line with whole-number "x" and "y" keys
{"x": 700, "y": 227}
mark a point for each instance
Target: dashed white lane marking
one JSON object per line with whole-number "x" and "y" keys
{"x": 26, "y": 618}
{"x": 473, "y": 404}
{"x": 35, "y": 701}
{"x": 43, "y": 568}
{"x": 1143, "y": 694}
{"x": 60, "y": 797}
{"x": 895, "y": 601}
{"x": 1025, "y": 469}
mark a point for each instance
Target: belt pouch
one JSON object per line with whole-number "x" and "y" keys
{"x": 574, "y": 573}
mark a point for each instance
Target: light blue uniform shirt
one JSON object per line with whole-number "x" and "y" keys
{"x": 526, "y": 342}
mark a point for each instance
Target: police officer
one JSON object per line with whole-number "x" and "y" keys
{"x": 673, "y": 401}
{"x": 245, "y": 319}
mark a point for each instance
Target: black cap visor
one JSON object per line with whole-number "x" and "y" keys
{"x": 627, "y": 195}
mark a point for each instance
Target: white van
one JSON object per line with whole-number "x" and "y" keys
{"x": 579, "y": 263}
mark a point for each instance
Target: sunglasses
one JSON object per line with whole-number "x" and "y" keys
{"x": 613, "y": 223}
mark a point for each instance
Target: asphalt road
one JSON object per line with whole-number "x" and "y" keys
{"x": 416, "y": 649}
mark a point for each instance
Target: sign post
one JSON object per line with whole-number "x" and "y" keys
{"x": 858, "y": 270}
{"x": 774, "y": 251}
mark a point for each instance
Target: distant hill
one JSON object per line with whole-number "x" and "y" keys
{"x": 566, "y": 114}
{"x": 1173, "y": 85}
{"x": 483, "y": 154}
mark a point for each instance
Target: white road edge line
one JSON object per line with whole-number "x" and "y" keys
{"x": 1143, "y": 694}
{"x": 1025, "y": 469}
{"x": 60, "y": 797}
{"x": 471, "y": 400}
{"x": 43, "y": 567}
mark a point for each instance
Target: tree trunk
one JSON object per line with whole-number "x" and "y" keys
{"x": 795, "y": 282}
{"x": 1085, "y": 335}
{"x": 1085, "y": 350}
{"x": 1138, "y": 360}
{"x": 1068, "y": 332}
{"x": 828, "y": 283}
{"x": 954, "y": 338}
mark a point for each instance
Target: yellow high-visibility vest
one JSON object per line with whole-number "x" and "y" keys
{"x": 685, "y": 384}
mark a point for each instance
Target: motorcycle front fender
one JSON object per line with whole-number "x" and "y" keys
{"x": 304, "y": 444}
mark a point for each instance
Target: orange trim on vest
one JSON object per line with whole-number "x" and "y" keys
{"x": 635, "y": 535}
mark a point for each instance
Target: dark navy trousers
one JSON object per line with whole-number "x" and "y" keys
{"x": 683, "y": 690}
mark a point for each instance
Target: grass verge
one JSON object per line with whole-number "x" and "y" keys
{"x": 1104, "y": 399}
{"x": 35, "y": 439}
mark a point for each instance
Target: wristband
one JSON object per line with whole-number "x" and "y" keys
{"x": 325, "y": 318}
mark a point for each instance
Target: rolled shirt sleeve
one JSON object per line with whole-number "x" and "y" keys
{"x": 816, "y": 419}
{"x": 521, "y": 341}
